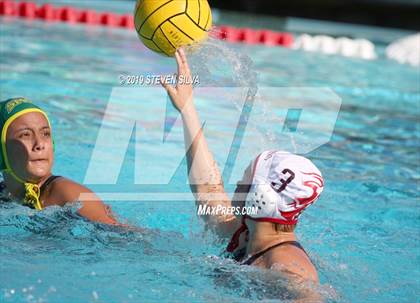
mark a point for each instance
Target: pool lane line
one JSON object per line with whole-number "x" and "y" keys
{"x": 67, "y": 14}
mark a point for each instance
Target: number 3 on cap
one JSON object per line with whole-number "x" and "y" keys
{"x": 283, "y": 182}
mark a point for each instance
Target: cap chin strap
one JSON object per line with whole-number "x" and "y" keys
{"x": 32, "y": 192}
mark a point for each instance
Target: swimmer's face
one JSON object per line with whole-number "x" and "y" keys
{"x": 29, "y": 147}
{"x": 243, "y": 187}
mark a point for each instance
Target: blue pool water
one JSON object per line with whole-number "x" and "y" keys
{"x": 363, "y": 234}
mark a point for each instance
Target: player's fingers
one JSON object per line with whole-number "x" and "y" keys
{"x": 184, "y": 61}
{"x": 181, "y": 68}
{"x": 169, "y": 88}
{"x": 181, "y": 52}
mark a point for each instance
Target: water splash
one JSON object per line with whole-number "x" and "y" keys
{"x": 218, "y": 64}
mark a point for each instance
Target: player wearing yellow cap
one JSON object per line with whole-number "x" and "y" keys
{"x": 26, "y": 161}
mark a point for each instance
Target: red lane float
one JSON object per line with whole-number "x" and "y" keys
{"x": 252, "y": 36}
{"x": 127, "y": 21}
{"x": 67, "y": 14}
{"x": 109, "y": 19}
{"x": 50, "y": 13}
{"x": 89, "y": 17}
{"x": 46, "y": 12}
{"x": 7, "y": 8}
{"x": 269, "y": 37}
{"x": 27, "y": 10}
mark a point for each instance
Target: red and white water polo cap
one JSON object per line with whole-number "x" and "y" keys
{"x": 283, "y": 185}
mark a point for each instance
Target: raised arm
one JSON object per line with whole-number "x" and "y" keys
{"x": 204, "y": 176}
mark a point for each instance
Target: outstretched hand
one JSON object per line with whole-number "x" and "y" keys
{"x": 182, "y": 93}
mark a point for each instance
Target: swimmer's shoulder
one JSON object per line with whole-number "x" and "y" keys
{"x": 292, "y": 261}
{"x": 63, "y": 190}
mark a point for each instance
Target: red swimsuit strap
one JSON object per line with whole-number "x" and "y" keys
{"x": 234, "y": 241}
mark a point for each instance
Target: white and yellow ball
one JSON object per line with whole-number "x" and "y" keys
{"x": 165, "y": 25}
